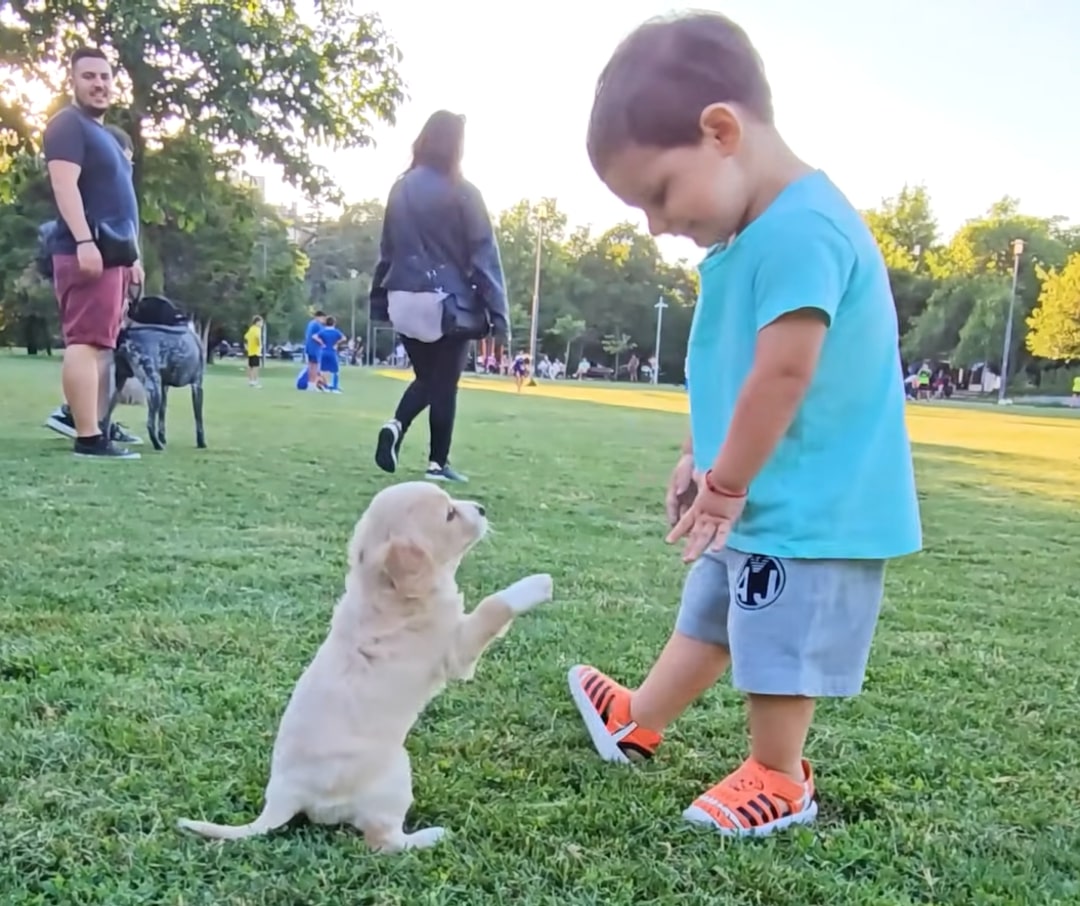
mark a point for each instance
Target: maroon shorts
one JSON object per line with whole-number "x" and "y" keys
{"x": 90, "y": 310}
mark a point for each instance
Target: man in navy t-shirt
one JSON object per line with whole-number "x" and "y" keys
{"x": 92, "y": 183}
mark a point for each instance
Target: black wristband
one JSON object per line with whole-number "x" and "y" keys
{"x": 79, "y": 242}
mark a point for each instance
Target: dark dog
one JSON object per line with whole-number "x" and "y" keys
{"x": 160, "y": 349}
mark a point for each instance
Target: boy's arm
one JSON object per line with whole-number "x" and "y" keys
{"x": 785, "y": 357}
{"x": 797, "y": 289}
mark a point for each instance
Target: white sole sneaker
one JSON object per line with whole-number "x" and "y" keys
{"x": 606, "y": 745}
{"x": 702, "y": 818}
{"x": 55, "y": 423}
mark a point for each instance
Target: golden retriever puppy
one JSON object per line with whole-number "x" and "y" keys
{"x": 398, "y": 634}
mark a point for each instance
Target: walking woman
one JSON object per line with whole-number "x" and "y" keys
{"x": 439, "y": 282}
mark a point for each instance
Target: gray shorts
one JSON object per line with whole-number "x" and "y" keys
{"x": 794, "y": 627}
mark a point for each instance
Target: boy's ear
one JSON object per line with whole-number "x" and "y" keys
{"x": 721, "y": 126}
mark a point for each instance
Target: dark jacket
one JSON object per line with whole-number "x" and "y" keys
{"x": 437, "y": 235}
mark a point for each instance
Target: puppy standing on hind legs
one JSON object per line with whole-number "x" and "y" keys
{"x": 398, "y": 635}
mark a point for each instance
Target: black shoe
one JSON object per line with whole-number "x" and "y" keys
{"x": 118, "y": 434}
{"x": 61, "y": 422}
{"x": 389, "y": 443}
{"x": 436, "y": 472}
{"x": 101, "y": 448}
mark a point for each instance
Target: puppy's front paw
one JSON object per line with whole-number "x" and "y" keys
{"x": 527, "y": 593}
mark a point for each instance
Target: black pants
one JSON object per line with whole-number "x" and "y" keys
{"x": 438, "y": 368}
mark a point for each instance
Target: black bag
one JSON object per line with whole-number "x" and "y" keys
{"x": 118, "y": 246}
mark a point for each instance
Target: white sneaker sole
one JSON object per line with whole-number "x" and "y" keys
{"x": 606, "y": 747}
{"x": 54, "y": 424}
{"x": 702, "y": 818}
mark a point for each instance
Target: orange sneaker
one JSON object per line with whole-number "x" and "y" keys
{"x": 605, "y": 707}
{"x": 754, "y": 801}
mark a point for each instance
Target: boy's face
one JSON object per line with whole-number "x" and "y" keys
{"x": 699, "y": 191}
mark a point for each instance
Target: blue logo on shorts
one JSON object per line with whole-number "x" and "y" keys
{"x": 761, "y": 582}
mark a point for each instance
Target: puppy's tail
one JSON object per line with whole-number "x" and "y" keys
{"x": 273, "y": 816}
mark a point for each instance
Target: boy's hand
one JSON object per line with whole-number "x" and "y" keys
{"x": 708, "y": 522}
{"x": 681, "y": 490}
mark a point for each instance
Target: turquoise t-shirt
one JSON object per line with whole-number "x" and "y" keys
{"x": 840, "y": 484}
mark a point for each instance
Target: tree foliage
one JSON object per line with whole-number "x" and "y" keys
{"x": 240, "y": 74}
{"x": 1055, "y": 323}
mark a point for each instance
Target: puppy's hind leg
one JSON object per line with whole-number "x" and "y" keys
{"x": 490, "y": 619}
{"x": 382, "y": 807}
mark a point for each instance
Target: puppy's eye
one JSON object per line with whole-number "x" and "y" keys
{"x": 452, "y": 515}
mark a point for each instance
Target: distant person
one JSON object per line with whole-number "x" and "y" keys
{"x": 253, "y": 338}
{"x": 1076, "y": 390}
{"x": 520, "y": 370}
{"x": 89, "y": 166}
{"x": 633, "y": 366}
{"x": 794, "y": 487}
{"x": 329, "y": 362}
{"x": 313, "y": 348}
{"x": 439, "y": 281}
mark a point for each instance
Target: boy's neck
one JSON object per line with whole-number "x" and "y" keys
{"x": 777, "y": 167}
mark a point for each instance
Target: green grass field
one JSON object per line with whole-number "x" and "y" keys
{"x": 154, "y": 616}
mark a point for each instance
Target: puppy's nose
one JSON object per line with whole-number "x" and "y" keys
{"x": 480, "y": 509}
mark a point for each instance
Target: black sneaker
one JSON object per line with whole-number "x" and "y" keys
{"x": 101, "y": 448}
{"x": 61, "y": 422}
{"x": 443, "y": 473}
{"x": 118, "y": 434}
{"x": 388, "y": 446}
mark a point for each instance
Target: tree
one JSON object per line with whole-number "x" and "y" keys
{"x": 1055, "y": 322}
{"x": 616, "y": 345}
{"x": 567, "y": 329}
{"x": 216, "y": 248}
{"x": 905, "y": 227}
{"x": 239, "y": 73}
{"x": 937, "y": 332}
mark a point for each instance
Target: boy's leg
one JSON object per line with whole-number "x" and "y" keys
{"x": 800, "y": 630}
{"x": 624, "y": 723}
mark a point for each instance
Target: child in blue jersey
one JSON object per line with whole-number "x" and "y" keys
{"x": 795, "y": 486}
{"x": 331, "y": 338}
{"x": 313, "y": 349}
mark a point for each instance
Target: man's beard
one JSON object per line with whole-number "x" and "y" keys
{"x": 91, "y": 104}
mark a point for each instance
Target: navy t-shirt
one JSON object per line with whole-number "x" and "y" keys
{"x": 105, "y": 183}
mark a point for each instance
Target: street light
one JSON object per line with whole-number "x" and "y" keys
{"x": 535, "y": 300}
{"x": 353, "y": 274}
{"x": 659, "y": 306}
{"x": 1018, "y": 250}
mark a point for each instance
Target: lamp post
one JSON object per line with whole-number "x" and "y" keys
{"x": 1017, "y": 250}
{"x": 659, "y": 306}
{"x": 535, "y": 301}
{"x": 353, "y": 274}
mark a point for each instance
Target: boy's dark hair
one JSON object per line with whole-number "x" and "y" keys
{"x": 87, "y": 53}
{"x": 440, "y": 143}
{"x": 121, "y": 136}
{"x": 319, "y": 313}
{"x": 330, "y": 322}
{"x": 661, "y": 77}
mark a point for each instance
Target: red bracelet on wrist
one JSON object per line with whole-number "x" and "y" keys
{"x": 714, "y": 488}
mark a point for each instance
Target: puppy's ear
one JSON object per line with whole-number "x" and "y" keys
{"x": 406, "y": 567}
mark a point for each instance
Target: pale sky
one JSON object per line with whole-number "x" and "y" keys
{"x": 974, "y": 98}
